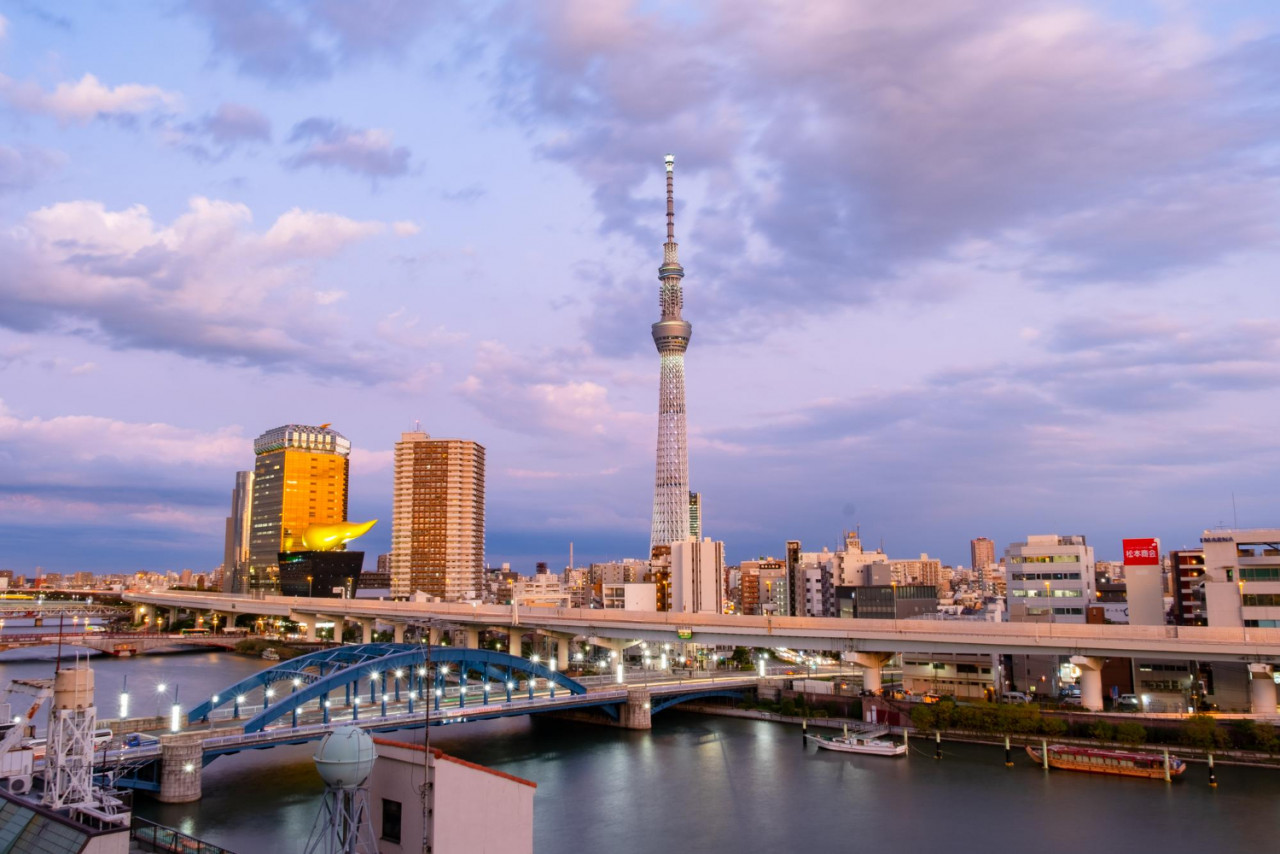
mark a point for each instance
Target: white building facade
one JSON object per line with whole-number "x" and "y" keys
{"x": 697, "y": 576}
{"x": 1050, "y": 579}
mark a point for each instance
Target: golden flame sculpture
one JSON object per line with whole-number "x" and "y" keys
{"x": 326, "y": 538}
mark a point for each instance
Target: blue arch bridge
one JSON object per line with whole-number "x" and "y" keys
{"x": 383, "y": 687}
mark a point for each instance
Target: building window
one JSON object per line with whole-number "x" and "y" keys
{"x": 391, "y": 820}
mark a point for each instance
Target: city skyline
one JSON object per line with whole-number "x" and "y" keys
{"x": 1033, "y": 301}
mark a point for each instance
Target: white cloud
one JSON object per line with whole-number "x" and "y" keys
{"x": 87, "y": 99}
{"x": 88, "y": 438}
{"x": 405, "y": 228}
{"x": 207, "y": 285}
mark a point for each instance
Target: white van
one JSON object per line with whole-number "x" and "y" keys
{"x": 1014, "y": 697}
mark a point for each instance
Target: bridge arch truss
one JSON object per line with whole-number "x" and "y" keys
{"x": 380, "y": 671}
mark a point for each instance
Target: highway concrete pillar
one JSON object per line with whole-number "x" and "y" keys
{"x": 473, "y": 637}
{"x": 562, "y": 652}
{"x": 308, "y": 620}
{"x": 366, "y": 631}
{"x": 397, "y": 632}
{"x": 181, "y": 761}
{"x": 1262, "y": 689}
{"x": 1090, "y": 681}
{"x": 872, "y": 663}
{"x": 433, "y": 635}
{"x": 173, "y": 618}
{"x": 636, "y": 714}
{"x": 515, "y": 641}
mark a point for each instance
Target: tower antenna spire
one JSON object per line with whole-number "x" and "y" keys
{"x": 670, "y": 160}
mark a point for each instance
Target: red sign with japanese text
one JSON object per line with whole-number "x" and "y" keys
{"x": 1141, "y": 552}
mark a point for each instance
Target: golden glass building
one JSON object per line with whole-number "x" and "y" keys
{"x": 299, "y": 480}
{"x": 437, "y": 518}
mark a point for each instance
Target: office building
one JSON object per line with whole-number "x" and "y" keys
{"x": 695, "y": 515}
{"x": 437, "y": 518}
{"x": 1050, "y": 579}
{"x": 235, "y": 549}
{"x": 764, "y": 588}
{"x": 886, "y": 601}
{"x": 299, "y": 480}
{"x": 697, "y": 577}
{"x": 1242, "y": 577}
{"x": 631, "y": 596}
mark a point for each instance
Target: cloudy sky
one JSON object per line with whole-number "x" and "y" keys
{"x": 955, "y": 268}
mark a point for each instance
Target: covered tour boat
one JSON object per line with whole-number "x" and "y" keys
{"x": 1100, "y": 761}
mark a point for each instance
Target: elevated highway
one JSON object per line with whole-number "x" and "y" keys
{"x": 870, "y": 643}
{"x": 807, "y": 633}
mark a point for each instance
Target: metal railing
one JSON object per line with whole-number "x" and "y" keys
{"x": 162, "y": 838}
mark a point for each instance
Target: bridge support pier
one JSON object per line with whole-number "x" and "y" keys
{"x": 1090, "y": 681}
{"x": 181, "y": 763}
{"x": 1262, "y": 689}
{"x": 173, "y": 618}
{"x": 515, "y": 641}
{"x": 366, "y": 631}
{"x": 397, "y": 632}
{"x": 636, "y": 714}
{"x": 433, "y": 635}
{"x": 562, "y": 652}
{"x": 309, "y": 620}
{"x": 473, "y": 637}
{"x": 872, "y": 663}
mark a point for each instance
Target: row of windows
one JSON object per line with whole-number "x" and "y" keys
{"x": 1171, "y": 686}
{"x": 1043, "y": 594}
{"x": 1066, "y": 612}
{"x": 1260, "y": 573}
{"x": 1262, "y": 624}
{"x": 1262, "y": 600}
{"x": 1046, "y": 576}
{"x": 1045, "y": 559}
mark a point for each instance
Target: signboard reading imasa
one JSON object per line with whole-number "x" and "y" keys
{"x": 1142, "y": 552}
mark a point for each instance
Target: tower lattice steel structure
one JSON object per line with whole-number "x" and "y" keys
{"x": 671, "y": 335}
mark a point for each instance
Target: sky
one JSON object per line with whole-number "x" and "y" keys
{"x": 955, "y": 268}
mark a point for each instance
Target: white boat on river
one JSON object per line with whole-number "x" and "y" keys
{"x": 870, "y": 741}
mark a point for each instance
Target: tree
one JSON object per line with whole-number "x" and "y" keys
{"x": 741, "y": 657}
{"x": 1202, "y": 731}
{"x": 1131, "y": 732}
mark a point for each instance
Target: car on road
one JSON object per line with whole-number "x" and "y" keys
{"x": 140, "y": 739}
{"x": 1128, "y": 703}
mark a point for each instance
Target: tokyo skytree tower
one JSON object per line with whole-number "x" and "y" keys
{"x": 671, "y": 335}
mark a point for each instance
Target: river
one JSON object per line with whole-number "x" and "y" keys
{"x": 698, "y": 783}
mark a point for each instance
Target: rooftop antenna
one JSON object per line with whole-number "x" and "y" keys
{"x": 1235, "y": 517}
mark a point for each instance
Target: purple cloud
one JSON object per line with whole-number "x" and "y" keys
{"x": 330, "y": 144}
{"x": 284, "y": 40}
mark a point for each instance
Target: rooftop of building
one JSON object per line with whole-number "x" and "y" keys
{"x": 440, "y": 755}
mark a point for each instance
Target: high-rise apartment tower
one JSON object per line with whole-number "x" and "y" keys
{"x": 437, "y": 518}
{"x": 982, "y": 556}
{"x": 299, "y": 480}
{"x": 671, "y": 336}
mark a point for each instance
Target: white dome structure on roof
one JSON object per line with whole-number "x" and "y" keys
{"x": 345, "y": 758}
